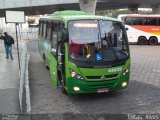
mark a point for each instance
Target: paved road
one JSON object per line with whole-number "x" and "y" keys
{"x": 9, "y": 83}
{"x": 142, "y": 95}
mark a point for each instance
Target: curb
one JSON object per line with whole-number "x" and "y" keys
{"x": 24, "y": 90}
{"x": 28, "y": 101}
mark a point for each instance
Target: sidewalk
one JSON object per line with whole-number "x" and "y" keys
{"x": 9, "y": 83}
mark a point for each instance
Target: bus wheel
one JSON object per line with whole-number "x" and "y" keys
{"x": 153, "y": 41}
{"x": 61, "y": 84}
{"x": 142, "y": 40}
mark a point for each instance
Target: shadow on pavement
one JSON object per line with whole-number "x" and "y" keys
{"x": 137, "y": 98}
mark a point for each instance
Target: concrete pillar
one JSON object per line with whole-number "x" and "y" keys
{"x": 156, "y": 9}
{"x": 133, "y": 10}
{"x": 88, "y": 6}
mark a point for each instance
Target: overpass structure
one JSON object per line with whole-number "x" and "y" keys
{"x": 35, "y": 7}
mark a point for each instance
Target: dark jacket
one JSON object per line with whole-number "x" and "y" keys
{"x": 8, "y": 40}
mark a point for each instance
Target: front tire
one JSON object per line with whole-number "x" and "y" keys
{"x": 61, "y": 84}
{"x": 142, "y": 40}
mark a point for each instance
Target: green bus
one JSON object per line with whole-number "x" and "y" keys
{"x": 84, "y": 53}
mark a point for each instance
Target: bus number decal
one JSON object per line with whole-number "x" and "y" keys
{"x": 114, "y": 69}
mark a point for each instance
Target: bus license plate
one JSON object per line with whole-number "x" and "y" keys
{"x": 103, "y": 90}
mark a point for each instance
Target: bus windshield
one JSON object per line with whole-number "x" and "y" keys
{"x": 97, "y": 41}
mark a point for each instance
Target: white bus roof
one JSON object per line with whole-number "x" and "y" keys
{"x": 137, "y": 15}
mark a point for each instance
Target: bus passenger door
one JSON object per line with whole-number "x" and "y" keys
{"x": 53, "y": 56}
{"x": 48, "y": 42}
{"x": 53, "y": 70}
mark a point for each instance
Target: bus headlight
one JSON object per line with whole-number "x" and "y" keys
{"x": 75, "y": 75}
{"x": 125, "y": 71}
{"x": 76, "y": 88}
{"x": 124, "y": 84}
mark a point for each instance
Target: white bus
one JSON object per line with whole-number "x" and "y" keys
{"x": 142, "y": 29}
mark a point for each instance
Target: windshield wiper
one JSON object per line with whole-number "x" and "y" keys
{"x": 111, "y": 46}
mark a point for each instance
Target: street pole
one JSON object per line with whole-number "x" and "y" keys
{"x": 16, "y": 24}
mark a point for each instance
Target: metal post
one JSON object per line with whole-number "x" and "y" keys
{"x": 88, "y": 6}
{"x": 16, "y": 24}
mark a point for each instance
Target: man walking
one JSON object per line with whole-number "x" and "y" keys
{"x": 8, "y": 41}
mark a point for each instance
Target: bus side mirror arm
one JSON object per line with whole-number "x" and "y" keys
{"x": 60, "y": 63}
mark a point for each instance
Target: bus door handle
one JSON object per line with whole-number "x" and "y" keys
{"x": 60, "y": 63}
{"x": 60, "y": 54}
{"x": 60, "y": 58}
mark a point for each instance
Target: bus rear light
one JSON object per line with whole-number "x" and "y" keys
{"x": 75, "y": 75}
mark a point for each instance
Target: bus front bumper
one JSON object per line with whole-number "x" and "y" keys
{"x": 76, "y": 86}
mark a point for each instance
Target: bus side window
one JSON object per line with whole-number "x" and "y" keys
{"x": 48, "y": 33}
{"x": 135, "y": 21}
{"x": 158, "y": 21}
{"x": 128, "y": 21}
{"x": 61, "y": 37}
{"x": 40, "y": 29}
{"x": 154, "y": 21}
{"x": 54, "y": 37}
{"x": 147, "y": 21}
{"x": 44, "y": 30}
{"x": 139, "y": 21}
{"x": 59, "y": 31}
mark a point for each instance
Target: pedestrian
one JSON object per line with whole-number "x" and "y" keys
{"x": 8, "y": 42}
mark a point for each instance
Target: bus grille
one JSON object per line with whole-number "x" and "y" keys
{"x": 102, "y": 84}
{"x": 111, "y": 76}
{"x": 100, "y": 77}
{"x": 93, "y": 77}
